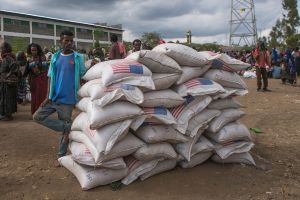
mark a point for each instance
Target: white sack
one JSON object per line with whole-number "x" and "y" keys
{"x": 200, "y": 121}
{"x": 164, "y": 81}
{"x": 189, "y": 73}
{"x": 160, "y": 133}
{"x": 224, "y": 151}
{"x": 137, "y": 168}
{"x": 230, "y": 133}
{"x": 84, "y": 89}
{"x": 238, "y": 92}
{"x": 198, "y": 87}
{"x": 227, "y": 115}
{"x": 231, "y": 92}
{"x": 126, "y": 146}
{"x": 121, "y": 92}
{"x": 95, "y": 72}
{"x": 244, "y": 158}
{"x": 153, "y": 116}
{"x": 127, "y": 71}
{"x": 82, "y": 155}
{"x": 166, "y": 98}
{"x": 224, "y": 62}
{"x": 157, "y": 62}
{"x": 90, "y": 177}
{"x": 185, "y": 149}
{"x": 202, "y": 145}
{"x": 105, "y": 95}
{"x": 196, "y": 159}
{"x": 184, "y": 112}
{"x": 101, "y": 141}
{"x": 221, "y": 104}
{"x": 182, "y": 54}
{"x": 162, "y": 166}
{"x": 88, "y": 63}
{"x": 158, "y": 115}
{"x": 226, "y": 79}
{"x": 155, "y": 151}
{"x": 114, "y": 112}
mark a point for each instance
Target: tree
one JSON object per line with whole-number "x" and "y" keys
{"x": 291, "y": 20}
{"x": 276, "y": 34}
{"x": 283, "y": 33}
{"x": 98, "y": 33}
{"x": 151, "y": 39}
{"x": 291, "y": 16}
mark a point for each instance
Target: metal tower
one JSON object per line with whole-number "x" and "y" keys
{"x": 242, "y": 23}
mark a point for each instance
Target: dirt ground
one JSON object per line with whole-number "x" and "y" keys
{"x": 27, "y": 152}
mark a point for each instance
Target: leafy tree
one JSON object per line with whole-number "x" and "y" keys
{"x": 151, "y": 39}
{"x": 291, "y": 17}
{"x": 97, "y": 44}
{"x": 98, "y": 33}
{"x": 276, "y": 34}
{"x": 284, "y": 31}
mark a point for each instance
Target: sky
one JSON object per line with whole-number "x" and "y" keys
{"x": 207, "y": 19}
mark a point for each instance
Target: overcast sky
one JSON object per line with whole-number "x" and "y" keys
{"x": 207, "y": 19}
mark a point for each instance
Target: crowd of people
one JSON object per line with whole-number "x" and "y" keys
{"x": 284, "y": 65}
{"x": 51, "y": 78}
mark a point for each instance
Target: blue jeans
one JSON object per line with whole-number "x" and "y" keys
{"x": 62, "y": 124}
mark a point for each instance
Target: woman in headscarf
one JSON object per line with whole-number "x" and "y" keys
{"x": 22, "y": 63}
{"x": 290, "y": 63}
{"x": 8, "y": 82}
{"x": 37, "y": 69}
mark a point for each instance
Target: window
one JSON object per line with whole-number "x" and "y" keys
{"x": 16, "y": 25}
{"x": 8, "y": 21}
{"x": 42, "y": 28}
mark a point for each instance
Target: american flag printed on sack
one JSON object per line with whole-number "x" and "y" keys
{"x": 127, "y": 67}
{"x": 196, "y": 82}
{"x": 123, "y": 86}
{"x": 219, "y": 64}
{"x": 127, "y": 87}
{"x": 130, "y": 161}
{"x": 176, "y": 111}
{"x": 87, "y": 151}
{"x": 110, "y": 89}
{"x": 155, "y": 111}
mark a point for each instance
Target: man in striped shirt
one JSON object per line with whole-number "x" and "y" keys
{"x": 262, "y": 60}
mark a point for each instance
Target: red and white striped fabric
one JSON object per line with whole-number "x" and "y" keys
{"x": 129, "y": 72}
{"x": 199, "y": 86}
{"x": 189, "y": 109}
{"x": 224, "y": 62}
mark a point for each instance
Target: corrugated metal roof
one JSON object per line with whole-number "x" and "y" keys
{"x": 55, "y": 19}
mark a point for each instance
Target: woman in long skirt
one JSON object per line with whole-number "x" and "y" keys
{"x": 37, "y": 75}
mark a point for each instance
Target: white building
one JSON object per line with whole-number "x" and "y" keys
{"x": 20, "y": 29}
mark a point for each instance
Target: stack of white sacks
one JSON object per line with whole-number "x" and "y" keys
{"x": 155, "y": 109}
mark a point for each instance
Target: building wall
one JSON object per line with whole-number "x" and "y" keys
{"x": 16, "y": 25}
{"x": 24, "y": 30}
{"x": 43, "y": 42}
{"x": 17, "y": 43}
{"x": 84, "y": 45}
{"x": 42, "y": 28}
